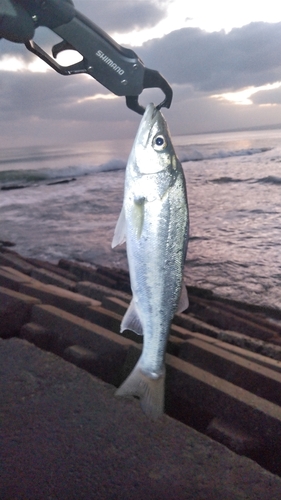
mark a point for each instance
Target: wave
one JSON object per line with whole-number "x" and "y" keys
{"x": 16, "y": 179}
{"x": 226, "y": 180}
{"x": 111, "y": 165}
{"x": 270, "y": 179}
{"x": 195, "y": 155}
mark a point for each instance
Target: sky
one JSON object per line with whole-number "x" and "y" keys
{"x": 222, "y": 59}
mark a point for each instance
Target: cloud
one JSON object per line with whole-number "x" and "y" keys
{"x": 49, "y": 108}
{"x": 37, "y": 108}
{"x": 267, "y": 97}
{"x": 111, "y": 15}
{"x": 50, "y": 94}
{"x": 218, "y": 61}
{"x": 123, "y": 16}
{"x": 194, "y": 112}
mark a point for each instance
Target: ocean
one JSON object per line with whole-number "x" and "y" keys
{"x": 63, "y": 202}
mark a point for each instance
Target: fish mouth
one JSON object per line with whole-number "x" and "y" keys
{"x": 151, "y": 119}
{"x": 150, "y": 112}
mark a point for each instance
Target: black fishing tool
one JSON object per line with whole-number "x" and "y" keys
{"x": 117, "y": 68}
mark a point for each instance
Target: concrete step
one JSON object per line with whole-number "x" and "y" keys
{"x": 273, "y": 364}
{"x": 229, "y": 320}
{"x": 199, "y": 305}
{"x": 253, "y": 377}
{"x": 43, "y": 264}
{"x": 64, "y": 299}
{"x": 65, "y": 436}
{"x": 51, "y": 278}
{"x": 69, "y": 330}
{"x": 227, "y": 386}
{"x": 97, "y": 291}
{"x": 186, "y": 383}
{"x": 189, "y": 388}
{"x": 15, "y": 311}
{"x": 11, "y": 259}
{"x": 12, "y": 279}
{"x": 87, "y": 273}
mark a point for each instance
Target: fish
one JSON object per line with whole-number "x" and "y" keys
{"x": 154, "y": 222}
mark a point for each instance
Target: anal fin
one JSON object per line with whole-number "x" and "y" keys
{"x": 131, "y": 320}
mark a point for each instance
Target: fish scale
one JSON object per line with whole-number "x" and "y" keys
{"x": 154, "y": 223}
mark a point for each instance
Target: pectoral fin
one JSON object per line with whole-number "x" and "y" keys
{"x": 120, "y": 230}
{"x": 183, "y": 302}
{"x": 131, "y": 320}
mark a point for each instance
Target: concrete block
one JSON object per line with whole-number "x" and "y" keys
{"x": 63, "y": 299}
{"x": 112, "y": 321}
{"x": 71, "y": 330}
{"x": 104, "y": 317}
{"x": 273, "y": 364}
{"x": 115, "y": 304}
{"x": 87, "y": 273}
{"x": 82, "y": 357}
{"x": 188, "y": 385}
{"x": 120, "y": 276}
{"x": 195, "y": 325}
{"x": 74, "y": 440}
{"x": 97, "y": 292}
{"x": 51, "y": 278}
{"x": 182, "y": 333}
{"x": 233, "y": 437}
{"x": 192, "y": 324}
{"x": 15, "y": 310}
{"x": 76, "y": 268}
{"x": 227, "y": 320}
{"x": 9, "y": 279}
{"x": 38, "y": 335}
{"x": 258, "y": 315}
{"x": 44, "y": 264}
{"x": 190, "y": 390}
{"x": 174, "y": 345}
{"x": 242, "y": 372}
{"x": 255, "y": 345}
{"x": 276, "y": 341}
{"x": 15, "y": 261}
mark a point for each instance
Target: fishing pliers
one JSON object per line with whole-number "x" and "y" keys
{"x": 117, "y": 68}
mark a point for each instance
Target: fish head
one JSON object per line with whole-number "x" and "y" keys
{"x": 153, "y": 150}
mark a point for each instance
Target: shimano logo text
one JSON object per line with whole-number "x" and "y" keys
{"x": 110, "y": 63}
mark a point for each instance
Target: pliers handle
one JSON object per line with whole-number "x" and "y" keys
{"x": 117, "y": 68}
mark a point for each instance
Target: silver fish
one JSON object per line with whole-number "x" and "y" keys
{"x": 154, "y": 224}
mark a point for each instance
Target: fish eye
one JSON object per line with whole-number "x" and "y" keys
{"x": 159, "y": 142}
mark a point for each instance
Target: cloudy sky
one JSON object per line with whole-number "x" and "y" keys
{"x": 222, "y": 59}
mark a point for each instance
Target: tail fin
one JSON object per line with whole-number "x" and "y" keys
{"x": 150, "y": 391}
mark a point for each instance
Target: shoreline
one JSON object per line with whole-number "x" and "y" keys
{"x": 270, "y": 312}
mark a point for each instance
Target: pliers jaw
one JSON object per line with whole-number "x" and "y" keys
{"x": 152, "y": 79}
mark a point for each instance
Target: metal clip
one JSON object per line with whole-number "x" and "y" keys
{"x": 152, "y": 79}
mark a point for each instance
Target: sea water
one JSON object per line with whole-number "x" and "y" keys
{"x": 63, "y": 202}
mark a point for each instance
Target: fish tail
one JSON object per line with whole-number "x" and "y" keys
{"x": 149, "y": 390}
